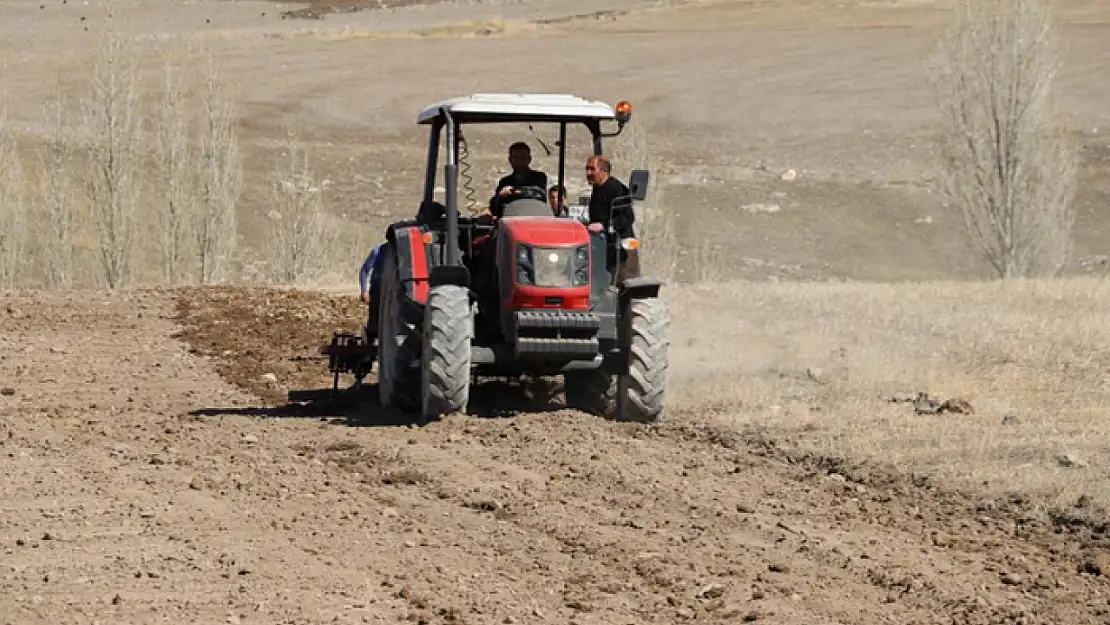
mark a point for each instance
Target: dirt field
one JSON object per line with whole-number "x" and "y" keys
{"x": 153, "y": 470}
{"x": 139, "y": 486}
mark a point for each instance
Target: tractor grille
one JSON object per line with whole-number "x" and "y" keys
{"x": 578, "y": 349}
{"x": 556, "y": 320}
{"x": 556, "y": 334}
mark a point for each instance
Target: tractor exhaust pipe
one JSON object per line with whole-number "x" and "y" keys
{"x": 451, "y": 186}
{"x": 452, "y": 243}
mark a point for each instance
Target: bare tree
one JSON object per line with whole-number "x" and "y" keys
{"x": 55, "y": 199}
{"x": 111, "y": 117}
{"x": 13, "y": 210}
{"x": 299, "y": 236}
{"x": 1007, "y": 163}
{"x": 176, "y": 175}
{"x": 221, "y": 180}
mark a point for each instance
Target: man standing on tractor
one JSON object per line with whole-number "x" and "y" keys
{"x": 611, "y": 206}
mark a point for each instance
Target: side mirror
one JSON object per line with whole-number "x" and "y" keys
{"x": 638, "y": 184}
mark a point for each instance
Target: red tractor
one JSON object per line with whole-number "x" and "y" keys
{"x": 528, "y": 293}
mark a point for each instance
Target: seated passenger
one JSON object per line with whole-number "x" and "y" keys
{"x": 557, "y": 199}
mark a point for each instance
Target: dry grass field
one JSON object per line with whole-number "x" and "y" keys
{"x": 153, "y": 472}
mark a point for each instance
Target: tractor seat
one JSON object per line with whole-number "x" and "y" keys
{"x": 431, "y": 211}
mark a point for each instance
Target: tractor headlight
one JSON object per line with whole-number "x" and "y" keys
{"x": 581, "y": 266}
{"x": 553, "y": 266}
{"x": 525, "y": 271}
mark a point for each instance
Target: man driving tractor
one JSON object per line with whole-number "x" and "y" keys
{"x": 520, "y": 159}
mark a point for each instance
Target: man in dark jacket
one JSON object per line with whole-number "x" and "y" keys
{"x": 520, "y": 159}
{"x": 610, "y": 200}
{"x": 611, "y": 206}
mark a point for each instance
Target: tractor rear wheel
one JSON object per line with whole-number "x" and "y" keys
{"x": 445, "y": 364}
{"x": 637, "y": 395}
{"x": 399, "y": 341}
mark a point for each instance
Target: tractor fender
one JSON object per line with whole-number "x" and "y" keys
{"x": 454, "y": 275}
{"x": 392, "y": 229}
{"x": 638, "y": 288}
{"x": 632, "y": 289}
{"x": 413, "y": 256}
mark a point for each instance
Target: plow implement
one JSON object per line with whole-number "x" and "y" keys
{"x": 349, "y": 353}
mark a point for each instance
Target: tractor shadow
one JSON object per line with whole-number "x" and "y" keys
{"x": 354, "y": 407}
{"x": 499, "y": 398}
{"x": 360, "y": 407}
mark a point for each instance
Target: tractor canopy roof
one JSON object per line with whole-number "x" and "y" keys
{"x": 519, "y": 107}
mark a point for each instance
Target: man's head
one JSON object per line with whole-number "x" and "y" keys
{"x": 553, "y": 195}
{"x": 520, "y": 157}
{"x": 598, "y": 169}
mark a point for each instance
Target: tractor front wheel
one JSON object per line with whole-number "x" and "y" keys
{"x": 638, "y": 394}
{"x": 445, "y": 366}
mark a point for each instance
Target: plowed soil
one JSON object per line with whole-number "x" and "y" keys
{"x": 138, "y": 485}
{"x": 251, "y": 333}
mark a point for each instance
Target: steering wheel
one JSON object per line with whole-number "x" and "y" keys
{"x": 521, "y": 193}
{"x": 527, "y": 193}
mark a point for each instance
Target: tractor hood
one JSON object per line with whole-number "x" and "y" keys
{"x": 545, "y": 231}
